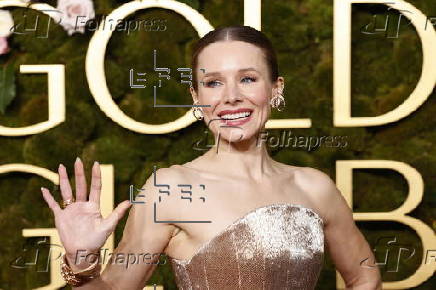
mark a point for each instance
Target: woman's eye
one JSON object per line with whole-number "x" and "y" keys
{"x": 211, "y": 83}
{"x": 249, "y": 78}
{"x": 215, "y": 82}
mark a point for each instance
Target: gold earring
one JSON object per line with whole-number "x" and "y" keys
{"x": 197, "y": 110}
{"x": 278, "y": 101}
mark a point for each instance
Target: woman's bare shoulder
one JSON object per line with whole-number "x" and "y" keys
{"x": 319, "y": 187}
{"x": 162, "y": 187}
{"x": 173, "y": 173}
{"x": 313, "y": 179}
{"x": 305, "y": 177}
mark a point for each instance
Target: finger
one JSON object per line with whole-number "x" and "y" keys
{"x": 50, "y": 200}
{"x": 64, "y": 183}
{"x": 79, "y": 174}
{"x": 112, "y": 220}
{"x": 95, "y": 190}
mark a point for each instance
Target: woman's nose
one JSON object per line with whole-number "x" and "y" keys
{"x": 231, "y": 94}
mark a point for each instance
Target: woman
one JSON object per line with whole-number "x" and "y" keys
{"x": 249, "y": 222}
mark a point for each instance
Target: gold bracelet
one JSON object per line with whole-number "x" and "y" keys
{"x": 81, "y": 277}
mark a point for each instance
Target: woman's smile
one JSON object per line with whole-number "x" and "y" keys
{"x": 235, "y": 117}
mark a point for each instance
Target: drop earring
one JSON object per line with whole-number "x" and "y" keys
{"x": 278, "y": 101}
{"x": 196, "y": 111}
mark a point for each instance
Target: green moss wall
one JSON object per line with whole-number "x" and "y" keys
{"x": 384, "y": 72}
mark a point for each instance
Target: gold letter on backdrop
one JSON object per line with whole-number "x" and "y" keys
{"x": 95, "y": 64}
{"x": 56, "y": 80}
{"x": 342, "y": 65}
{"x": 252, "y": 17}
{"x": 344, "y": 182}
{"x": 97, "y": 79}
{"x": 106, "y": 205}
{"x": 56, "y": 100}
{"x": 252, "y": 13}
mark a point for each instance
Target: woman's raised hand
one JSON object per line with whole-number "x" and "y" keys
{"x": 80, "y": 224}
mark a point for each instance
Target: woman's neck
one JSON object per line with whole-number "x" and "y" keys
{"x": 246, "y": 159}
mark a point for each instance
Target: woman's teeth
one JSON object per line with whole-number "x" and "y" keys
{"x": 235, "y": 116}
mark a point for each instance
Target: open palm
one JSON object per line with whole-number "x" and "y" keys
{"x": 80, "y": 224}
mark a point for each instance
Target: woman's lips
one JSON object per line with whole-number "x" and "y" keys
{"x": 237, "y": 122}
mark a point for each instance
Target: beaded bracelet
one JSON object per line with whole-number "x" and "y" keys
{"x": 81, "y": 277}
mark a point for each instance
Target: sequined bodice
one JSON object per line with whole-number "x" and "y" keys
{"x": 277, "y": 246}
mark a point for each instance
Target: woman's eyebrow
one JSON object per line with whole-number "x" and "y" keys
{"x": 241, "y": 70}
{"x": 249, "y": 69}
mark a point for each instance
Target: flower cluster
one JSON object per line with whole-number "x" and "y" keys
{"x": 71, "y": 10}
{"x": 6, "y": 24}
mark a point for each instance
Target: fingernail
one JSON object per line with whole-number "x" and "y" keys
{"x": 60, "y": 166}
{"x": 42, "y": 188}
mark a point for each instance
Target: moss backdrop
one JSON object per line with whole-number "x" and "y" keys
{"x": 384, "y": 72}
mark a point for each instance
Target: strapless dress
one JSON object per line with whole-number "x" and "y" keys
{"x": 277, "y": 246}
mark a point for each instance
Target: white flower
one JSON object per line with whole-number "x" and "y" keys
{"x": 75, "y": 14}
{"x": 6, "y": 23}
{"x": 4, "y": 48}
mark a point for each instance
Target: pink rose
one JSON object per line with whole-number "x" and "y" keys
{"x": 4, "y": 48}
{"x": 6, "y": 23}
{"x": 75, "y": 14}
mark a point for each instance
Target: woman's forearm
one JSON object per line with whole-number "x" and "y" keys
{"x": 77, "y": 263}
{"x": 115, "y": 277}
{"x": 366, "y": 286}
{"x": 370, "y": 283}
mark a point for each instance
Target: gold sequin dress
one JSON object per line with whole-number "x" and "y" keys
{"x": 277, "y": 246}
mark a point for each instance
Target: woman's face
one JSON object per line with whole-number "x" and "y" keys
{"x": 233, "y": 78}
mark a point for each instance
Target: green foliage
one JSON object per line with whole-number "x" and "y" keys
{"x": 7, "y": 85}
{"x": 384, "y": 72}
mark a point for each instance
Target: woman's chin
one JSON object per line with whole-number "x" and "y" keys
{"x": 237, "y": 136}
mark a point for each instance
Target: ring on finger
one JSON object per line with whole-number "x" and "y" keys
{"x": 65, "y": 203}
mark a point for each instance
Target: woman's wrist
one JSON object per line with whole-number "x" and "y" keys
{"x": 81, "y": 259}
{"x": 82, "y": 276}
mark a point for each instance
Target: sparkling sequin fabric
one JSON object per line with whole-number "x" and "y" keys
{"x": 278, "y": 246}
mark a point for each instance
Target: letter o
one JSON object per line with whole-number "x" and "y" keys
{"x": 95, "y": 64}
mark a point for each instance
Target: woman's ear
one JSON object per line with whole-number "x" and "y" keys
{"x": 193, "y": 94}
{"x": 279, "y": 86}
